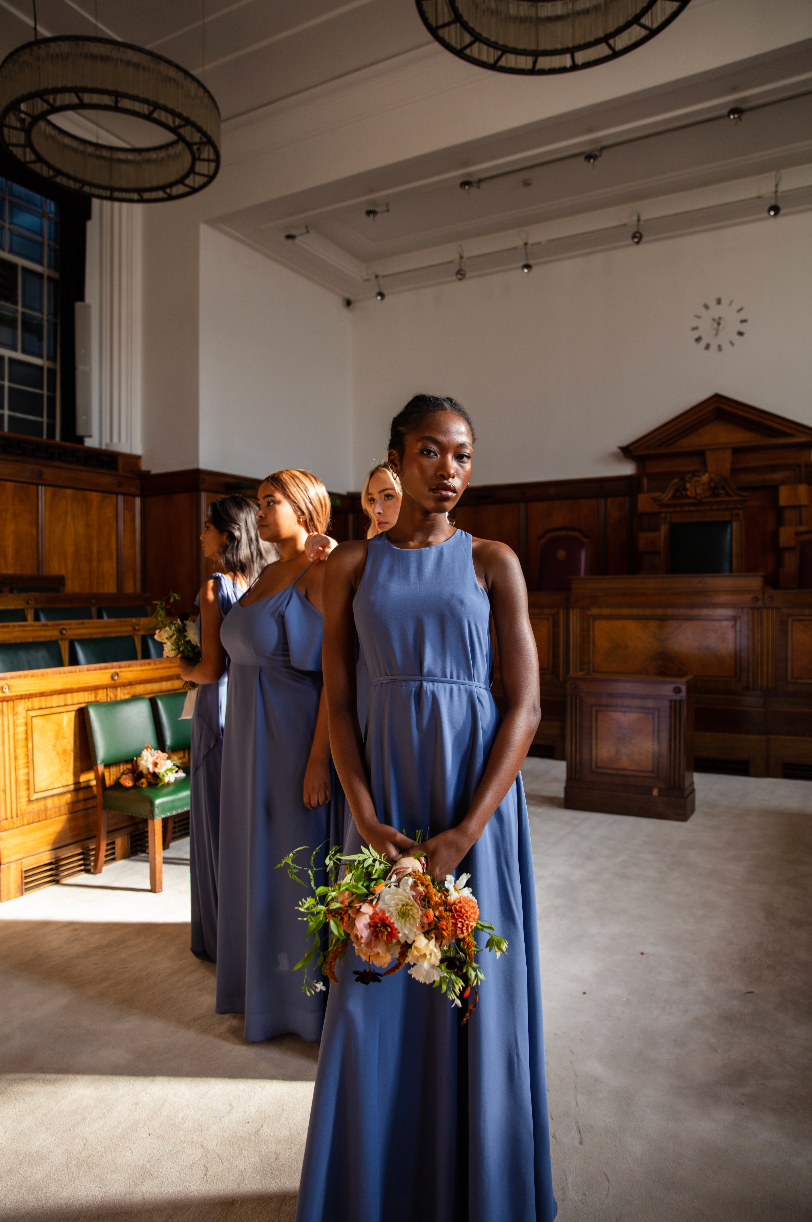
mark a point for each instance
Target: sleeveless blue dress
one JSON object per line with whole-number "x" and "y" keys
{"x": 274, "y": 687}
{"x": 204, "y": 782}
{"x": 415, "y": 1118}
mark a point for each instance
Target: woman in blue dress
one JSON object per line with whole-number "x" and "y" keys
{"x": 230, "y": 541}
{"x": 415, "y": 1117}
{"x": 277, "y": 790}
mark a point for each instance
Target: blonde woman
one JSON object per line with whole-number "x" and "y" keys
{"x": 277, "y": 789}
{"x": 380, "y": 499}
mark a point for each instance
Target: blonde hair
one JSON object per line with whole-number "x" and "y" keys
{"x": 307, "y": 495}
{"x": 381, "y": 466}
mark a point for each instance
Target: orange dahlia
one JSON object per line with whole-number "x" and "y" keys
{"x": 465, "y": 914}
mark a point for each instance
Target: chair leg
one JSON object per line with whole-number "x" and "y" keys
{"x": 156, "y": 860}
{"x": 101, "y": 823}
{"x": 168, "y": 822}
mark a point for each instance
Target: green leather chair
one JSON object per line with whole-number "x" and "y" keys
{"x": 94, "y": 649}
{"x": 123, "y": 612}
{"x": 119, "y": 730}
{"x": 48, "y": 614}
{"x": 29, "y": 655}
{"x": 12, "y": 615}
{"x": 150, "y": 648}
{"x": 173, "y": 734}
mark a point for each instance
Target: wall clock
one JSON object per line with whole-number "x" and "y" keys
{"x": 719, "y": 326}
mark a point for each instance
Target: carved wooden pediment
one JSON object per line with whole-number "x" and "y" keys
{"x": 720, "y": 423}
{"x": 700, "y": 489}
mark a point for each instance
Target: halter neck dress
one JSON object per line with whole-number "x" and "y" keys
{"x": 273, "y": 701}
{"x": 204, "y": 780}
{"x": 416, "y": 1118}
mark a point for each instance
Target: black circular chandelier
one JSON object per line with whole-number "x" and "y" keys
{"x": 538, "y": 37}
{"x": 43, "y": 79}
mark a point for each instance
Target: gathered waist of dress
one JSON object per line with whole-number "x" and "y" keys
{"x": 429, "y": 679}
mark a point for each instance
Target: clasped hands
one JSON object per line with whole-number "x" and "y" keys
{"x": 443, "y": 852}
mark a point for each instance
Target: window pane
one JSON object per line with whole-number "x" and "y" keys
{"x": 51, "y": 208}
{"x": 26, "y": 248}
{"x": 50, "y": 430}
{"x": 51, "y": 381}
{"x": 2, "y": 206}
{"x": 23, "y": 374}
{"x": 8, "y": 329}
{"x": 32, "y": 337}
{"x": 33, "y": 290}
{"x": 53, "y": 231}
{"x": 28, "y": 197}
{"x": 51, "y": 341}
{"x": 24, "y": 218}
{"x": 51, "y": 407}
{"x": 3, "y": 375}
{"x": 53, "y": 259}
{"x": 25, "y": 424}
{"x": 2, "y": 239}
{"x": 8, "y": 282}
{"x": 53, "y": 297}
{"x": 25, "y": 402}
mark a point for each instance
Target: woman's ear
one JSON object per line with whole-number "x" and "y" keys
{"x": 394, "y": 461}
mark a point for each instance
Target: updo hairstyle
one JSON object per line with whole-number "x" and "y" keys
{"x": 416, "y": 410}
{"x": 243, "y": 552}
{"x": 381, "y": 466}
{"x": 307, "y": 495}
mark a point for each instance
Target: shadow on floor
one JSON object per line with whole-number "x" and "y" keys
{"x": 274, "y": 1207}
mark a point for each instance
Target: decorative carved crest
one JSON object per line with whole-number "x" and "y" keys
{"x": 702, "y": 487}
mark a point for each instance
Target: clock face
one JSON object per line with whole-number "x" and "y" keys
{"x": 720, "y": 325}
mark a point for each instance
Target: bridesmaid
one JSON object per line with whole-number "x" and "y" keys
{"x": 277, "y": 790}
{"x": 380, "y": 499}
{"x": 416, "y": 1118}
{"x": 230, "y": 541}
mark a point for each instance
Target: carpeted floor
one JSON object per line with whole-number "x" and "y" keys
{"x": 676, "y": 963}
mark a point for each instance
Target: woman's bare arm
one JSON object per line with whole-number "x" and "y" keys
{"x": 343, "y": 573}
{"x": 518, "y": 666}
{"x": 212, "y": 665}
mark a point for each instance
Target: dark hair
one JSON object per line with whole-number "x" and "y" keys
{"x": 243, "y": 553}
{"x": 410, "y": 417}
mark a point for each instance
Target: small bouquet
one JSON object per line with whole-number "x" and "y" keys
{"x": 151, "y": 768}
{"x": 177, "y": 634}
{"x": 394, "y": 912}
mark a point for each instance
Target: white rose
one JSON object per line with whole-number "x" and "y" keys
{"x": 403, "y": 910}
{"x": 425, "y": 959}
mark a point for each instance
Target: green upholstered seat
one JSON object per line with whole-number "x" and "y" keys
{"x": 123, "y": 612}
{"x": 29, "y": 655}
{"x": 12, "y": 615}
{"x": 48, "y": 614}
{"x": 150, "y": 648}
{"x": 93, "y": 650}
{"x": 173, "y": 734}
{"x": 120, "y": 729}
{"x": 154, "y": 802}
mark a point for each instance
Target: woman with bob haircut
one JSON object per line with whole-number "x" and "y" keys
{"x": 277, "y": 791}
{"x": 417, "y": 1117}
{"x": 230, "y": 541}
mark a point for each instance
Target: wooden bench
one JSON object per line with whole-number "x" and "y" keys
{"x": 65, "y": 631}
{"x": 30, "y": 603}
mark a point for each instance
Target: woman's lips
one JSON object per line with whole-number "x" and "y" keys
{"x": 444, "y": 490}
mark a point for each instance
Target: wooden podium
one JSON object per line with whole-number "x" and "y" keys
{"x": 629, "y": 746}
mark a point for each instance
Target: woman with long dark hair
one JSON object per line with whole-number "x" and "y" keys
{"x": 230, "y": 540}
{"x": 415, "y": 1117}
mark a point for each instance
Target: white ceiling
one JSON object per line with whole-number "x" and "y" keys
{"x": 256, "y": 51}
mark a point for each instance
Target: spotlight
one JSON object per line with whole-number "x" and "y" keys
{"x": 460, "y": 273}
{"x": 774, "y": 210}
{"x": 637, "y": 236}
{"x": 736, "y": 114}
{"x": 591, "y": 158}
{"x": 527, "y": 266}
{"x": 468, "y": 184}
{"x": 380, "y": 295}
{"x": 291, "y": 237}
{"x": 371, "y": 213}
{"x": 348, "y": 303}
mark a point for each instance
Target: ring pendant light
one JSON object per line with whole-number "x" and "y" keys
{"x": 537, "y": 37}
{"x": 51, "y": 76}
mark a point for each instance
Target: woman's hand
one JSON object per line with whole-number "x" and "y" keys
{"x": 316, "y": 784}
{"x": 444, "y": 852}
{"x": 387, "y": 840}
{"x": 185, "y": 667}
{"x": 318, "y": 547}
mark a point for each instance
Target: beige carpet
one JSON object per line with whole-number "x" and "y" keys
{"x": 679, "y": 1077}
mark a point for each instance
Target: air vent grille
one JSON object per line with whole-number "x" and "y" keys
{"x": 46, "y": 873}
{"x": 797, "y": 772}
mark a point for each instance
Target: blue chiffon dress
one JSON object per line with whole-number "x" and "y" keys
{"x": 416, "y": 1118}
{"x": 204, "y": 781}
{"x": 273, "y": 701}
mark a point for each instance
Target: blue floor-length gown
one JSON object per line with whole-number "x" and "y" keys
{"x": 273, "y": 700}
{"x": 204, "y": 779}
{"x": 415, "y": 1118}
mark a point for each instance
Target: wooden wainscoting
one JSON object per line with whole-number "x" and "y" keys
{"x": 47, "y": 807}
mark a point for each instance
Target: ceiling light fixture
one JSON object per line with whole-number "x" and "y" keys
{"x": 371, "y": 213}
{"x": 736, "y": 114}
{"x": 50, "y": 77}
{"x": 637, "y": 236}
{"x": 536, "y": 37}
{"x": 468, "y": 184}
{"x": 291, "y": 237}
{"x": 775, "y": 208}
{"x": 460, "y": 273}
{"x": 591, "y": 158}
{"x": 380, "y": 295}
{"x": 527, "y": 266}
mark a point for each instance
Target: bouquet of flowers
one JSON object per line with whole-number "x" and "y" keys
{"x": 151, "y": 768}
{"x": 394, "y": 912}
{"x": 177, "y": 634}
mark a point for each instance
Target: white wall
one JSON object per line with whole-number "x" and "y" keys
{"x": 274, "y": 368}
{"x": 561, "y": 366}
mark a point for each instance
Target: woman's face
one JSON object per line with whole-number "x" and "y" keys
{"x": 213, "y": 541}
{"x": 383, "y": 501}
{"x": 276, "y": 517}
{"x": 436, "y": 464}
